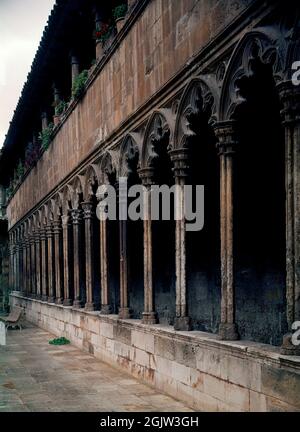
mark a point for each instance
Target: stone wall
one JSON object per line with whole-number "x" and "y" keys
{"x": 139, "y": 68}
{"x": 207, "y": 374}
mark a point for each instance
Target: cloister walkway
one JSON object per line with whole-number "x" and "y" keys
{"x": 36, "y": 376}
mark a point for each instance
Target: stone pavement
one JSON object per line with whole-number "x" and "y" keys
{"x": 36, "y": 376}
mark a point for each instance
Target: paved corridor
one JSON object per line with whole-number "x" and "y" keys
{"x": 36, "y": 376}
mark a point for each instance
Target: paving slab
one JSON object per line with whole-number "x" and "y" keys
{"x": 38, "y": 377}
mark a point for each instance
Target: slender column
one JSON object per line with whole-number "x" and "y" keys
{"x": 58, "y": 280}
{"x": 180, "y": 160}
{"x": 290, "y": 101}
{"x": 37, "y": 241}
{"x": 98, "y": 25}
{"x": 105, "y": 300}
{"x": 17, "y": 260}
{"x": 33, "y": 265}
{"x": 45, "y": 121}
{"x": 76, "y": 220}
{"x": 49, "y": 234}
{"x": 227, "y": 142}
{"x": 24, "y": 273}
{"x": 28, "y": 266}
{"x": 20, "y": 260}
{"x": 66, "y": 275}
{"x": 74, "y": 67}
{"x": 124, "y": 311}
{"x": 10, "y": 254}
{"x": 13, "y": 260}
{"x": 89, "y": 270}
{"x": 149, "y": 314}
{"x": 44, "y": 279}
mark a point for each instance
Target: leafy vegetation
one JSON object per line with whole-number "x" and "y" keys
{"x": 79, "y": 84}
{"x": 120, "y": 11}
{"x": 60, "y": 108}
{"x": 45, "y": 136}
{"x": 59, "y": 341}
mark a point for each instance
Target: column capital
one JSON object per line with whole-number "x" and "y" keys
{"x": 65, "y": 219}
{"x": 289, "y": 96}
{"x": 87, "y": 207}
{"x": 147, "y": 176}
{"x": 226, "y": 133}
{"x": 49, "y": 230}
{"x": 56, "y": 227}
{"x": 180, "y": 159}
{"x": 76, "y": 216}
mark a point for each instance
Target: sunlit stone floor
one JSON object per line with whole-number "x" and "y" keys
{"x": 36, "y": 376}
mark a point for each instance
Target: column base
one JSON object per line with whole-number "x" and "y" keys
{"x": 77, "y": 304}
{"x": 105, "y": 310}
{"x": 38, "y": 297}
{"x": 51, "y": 299}
{"x": 68, "y": 302}
{"x": 182, "y": 324}
{"x": 59, "y": 301}
{"x": 89, "y": 307}
{"x": 149, "y": 318}
{"x": 44, "y": 298}
{"x": 288, "y": 348}
{"x": 124, "y": 313}
{"x": 228, "y": 332}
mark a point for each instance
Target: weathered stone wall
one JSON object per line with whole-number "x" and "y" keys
{"x": 175, "y": 32}
{"x": 195, "y": 367}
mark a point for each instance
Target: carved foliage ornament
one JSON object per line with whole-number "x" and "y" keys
{"x": 196, "y": 101}
{"x": 157, "y": 134}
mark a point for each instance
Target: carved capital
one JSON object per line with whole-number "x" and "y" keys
{"x": 49, "y": 231}
{"x": 65, "y": 219}
{"x": 147, "y": 176}
{"x": 289, "y": 95}
{"x": 56, "y": 227}
{"x": 180, "y": 159}
{"x": 87, "y": 207}
{"x": 76, "y": 216}
{"x": 227, "y": 137}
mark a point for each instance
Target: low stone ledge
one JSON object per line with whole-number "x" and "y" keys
{"x": 196, "y": 367}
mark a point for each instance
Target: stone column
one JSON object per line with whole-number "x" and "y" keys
{"x": 57, "y": 261}
{"x": 76, "y": 220}
{"x": 10, "y": 253}
{"x": 24, "y": 264}
{"x": 227, "y": 142}
{"x": 44, "y": 118}
{"x": 74, "y": 67}
{"x": 149, "y": 314}
{"x": 44, "y": 279}
{"x": 180, "y": 159}
{"x": 49, "y": 235}
{"x": 33, "y": 264}
{"x": 124, "y": 311}
{"x": 105, "y": 300}
{"x": 28, "y": 266}
{"x": 89, "y": 255}
{"x": 290, "y": 102}
{"x": 98, "y": 24}
{"x": 66, "y": 272}
{"x": 17, "y": 262}
{"x": 37, "y": 241}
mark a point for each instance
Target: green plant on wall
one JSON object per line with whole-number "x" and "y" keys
{"x": 20, "y": 169}
{"x": 60, "y": 108}
{"x": 120, "y": 11}
{"x": 79, "y": 84}
{"x": 45, "y": 136}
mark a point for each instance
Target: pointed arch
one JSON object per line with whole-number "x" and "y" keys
{"x": 199, "y": 97}
{"x": 264, "y": 45}
{"x": 159, "y": 130}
